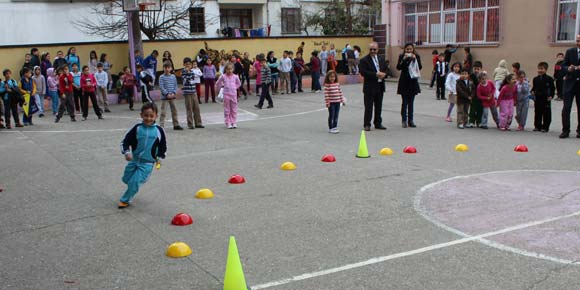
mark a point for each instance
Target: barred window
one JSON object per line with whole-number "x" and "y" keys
{"x": 452, "y": 21}
{"x": 196, "y": 20}
{"x": 291, "y": 20}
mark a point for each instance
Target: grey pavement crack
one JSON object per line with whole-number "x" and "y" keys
{"x": 549, "y": 274}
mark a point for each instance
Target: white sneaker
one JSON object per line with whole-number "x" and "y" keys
{"x": 335, "y": 131}
{"x": 235, "y": 126}
{"x": 229, "y": 126}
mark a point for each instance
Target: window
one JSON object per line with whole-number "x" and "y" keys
{"x": 196, "y": 20}
{"x": 567, "y": 20}
{"x": 291, "y": 20}
{"x": 236, "y": 18}
{"x": 453, "y": 21}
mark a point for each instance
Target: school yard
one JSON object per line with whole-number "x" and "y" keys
{"x": 489, "y": 218}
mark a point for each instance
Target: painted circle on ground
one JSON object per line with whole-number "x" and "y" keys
{"x": 535, "y": 213}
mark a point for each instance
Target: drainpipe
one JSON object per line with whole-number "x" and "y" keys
{"x": 267, "y": 13}
{"x": 388, "y": 48}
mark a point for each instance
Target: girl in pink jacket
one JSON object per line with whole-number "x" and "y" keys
{"x": 508, "y": 96}
{"x": 230, "y": 84}
{"x": 258, "y": 70}
{"x": 52, "y": 82}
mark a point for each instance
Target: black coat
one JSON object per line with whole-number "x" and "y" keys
{"x": 407, "y": 85}
{"x": 368, "y": 70}
{"x": 570, "y": 58}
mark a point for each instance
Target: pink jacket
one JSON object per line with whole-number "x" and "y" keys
{"x": 52, "y": 80}
{"x": 258, "y": 70}
{"x": 230, "y": 84}
{"x": 507, "y": 93}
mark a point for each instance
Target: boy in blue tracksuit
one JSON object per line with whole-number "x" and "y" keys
{"x": 142, "y": 146}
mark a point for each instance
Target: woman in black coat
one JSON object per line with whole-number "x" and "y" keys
{"x": 408, "y": 87}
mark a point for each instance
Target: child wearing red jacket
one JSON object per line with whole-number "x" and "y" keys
{"x": 65, "y": 91}
{"x": 89, "y": 86}
{"x": 486, "y": 93}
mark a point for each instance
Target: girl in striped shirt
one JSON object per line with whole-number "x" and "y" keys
{"x": 333, "y": 98}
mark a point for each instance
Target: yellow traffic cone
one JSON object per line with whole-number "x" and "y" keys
{"x": 234, "y": 276}
{"x": 363, "y": 151}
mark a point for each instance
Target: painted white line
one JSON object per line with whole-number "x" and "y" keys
{"x": 207, "y": 124}
{"x": 423, "y": 212}
{"x": 481, "y": 238}
{"x": 249, "y": 113}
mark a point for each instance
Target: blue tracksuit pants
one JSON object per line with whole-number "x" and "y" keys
{"x": 136, "y": 174}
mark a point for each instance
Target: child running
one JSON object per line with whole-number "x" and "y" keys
{"x": 266, "y": 80}
{"x": 450, "y": 85}
{"x": 486, "y": 93}
{"x": 507, "y": 99}
{"x": 230, "y": 84}
{"x": 333, "y": 98}
{"x": 523, "y": 101}
{"x": 128, "y": 82}
{"x": 142, "y": 146}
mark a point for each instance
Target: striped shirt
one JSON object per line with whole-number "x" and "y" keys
{"x": 167, "y": 85}
{"x": 266, "y": 75}
{"x": 332, "y": 93}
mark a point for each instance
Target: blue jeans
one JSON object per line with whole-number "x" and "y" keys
{"x": 39, "y": 103}
{"x": 316, "y": 81}
{"x": 54, "y": 96}
{"x": 136, "y": 174}
{"x": 293, "y": 81}
{"x": 333, "y": 111}
{"x": 274, "y": 83}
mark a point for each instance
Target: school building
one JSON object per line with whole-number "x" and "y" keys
{"x": 525, "y": 31}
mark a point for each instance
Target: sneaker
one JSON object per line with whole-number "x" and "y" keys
{"x": 448, "y": 119}
{"x": 537, "y": 130}
{"x": 460, "y": 126}
{"x": 122, "y": 205}
{"x": 546, "y": 131}
{"x": 25, "y": 124}
{"x": 84, "y": 118}
{"x": 41, "y": 115}
{"x": 190, "y": 127}
{"x": 520, "y": 128}
{"x": 229, "y": 126}
{"x": 470, "y": 125}
{"x": 270, "y": 107}
{"x": 178, "y": 128}
{"x": 31, "y": 124}
{"x": 503, "y": 129}
{"x": 235, "y": 126}
{"x": 199, "y": 126}
{"x": 107, "y": 111}
{"x": 258, "y": 106}
{"x": 57, "y": 119}
{"x": 483, "y": 127}
{"x": 335, "y": 131}
{"x": 100, "y": 117}
{"x": 18, "y": 125}
{"x": 131, "y": 108}
{"x": 73, "y": 119}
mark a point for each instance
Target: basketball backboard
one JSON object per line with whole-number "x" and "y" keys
{"x": 141, "y": 5}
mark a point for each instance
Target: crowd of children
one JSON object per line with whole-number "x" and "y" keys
{"x": 477, "y": 94}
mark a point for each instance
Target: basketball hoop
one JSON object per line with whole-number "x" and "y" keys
{"x": 141, "y": 5}
{"x": 144, "y": 6}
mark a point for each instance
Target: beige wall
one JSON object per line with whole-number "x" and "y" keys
{"x": 13, "y": 57}
{"x": 526, "y": 37}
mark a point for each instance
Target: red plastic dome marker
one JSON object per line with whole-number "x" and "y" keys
{"x": 182, "y": 219}
{"x": 410, "y": 150}
{"x": 521, "y": 148}
{"x": 237, "y": 179}
{"x": 328, "y": 158}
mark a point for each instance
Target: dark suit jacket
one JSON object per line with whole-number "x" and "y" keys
{"x": 571, "y": 78}
{"x": 464, "y": 91}
{"x": 368, "y": 70}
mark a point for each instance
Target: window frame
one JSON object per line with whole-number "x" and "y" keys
{"x": 284, "y": 20}
{"x": 557, "y": 21}
{"x": 442, "y": 12}
{"x": 192, "y": 12}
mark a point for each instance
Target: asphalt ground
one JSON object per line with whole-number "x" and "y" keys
{"x": 489, "y": 218}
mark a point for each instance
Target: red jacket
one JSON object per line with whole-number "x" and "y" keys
{"x": 483, "y": 92}
{"x": 88, "y": 83}
{"x": 65, "y": 84}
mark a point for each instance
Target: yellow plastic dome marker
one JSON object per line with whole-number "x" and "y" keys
{"x": 204, "y": 193}
{"x": 461, "y": 148}
{"x": 178, "y": 250}
{"x": 288, "y": 166}
{"x": 386, "y": 151}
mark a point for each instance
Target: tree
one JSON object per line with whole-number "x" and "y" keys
{"x": 342, "y": 17}
{"x": 171, "y": 22}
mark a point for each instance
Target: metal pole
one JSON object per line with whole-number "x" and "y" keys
{"x": 132, "y": 50}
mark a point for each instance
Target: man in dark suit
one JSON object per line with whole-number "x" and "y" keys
{"x": 571, "y": 65}
{"x": 373, "y": 67}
